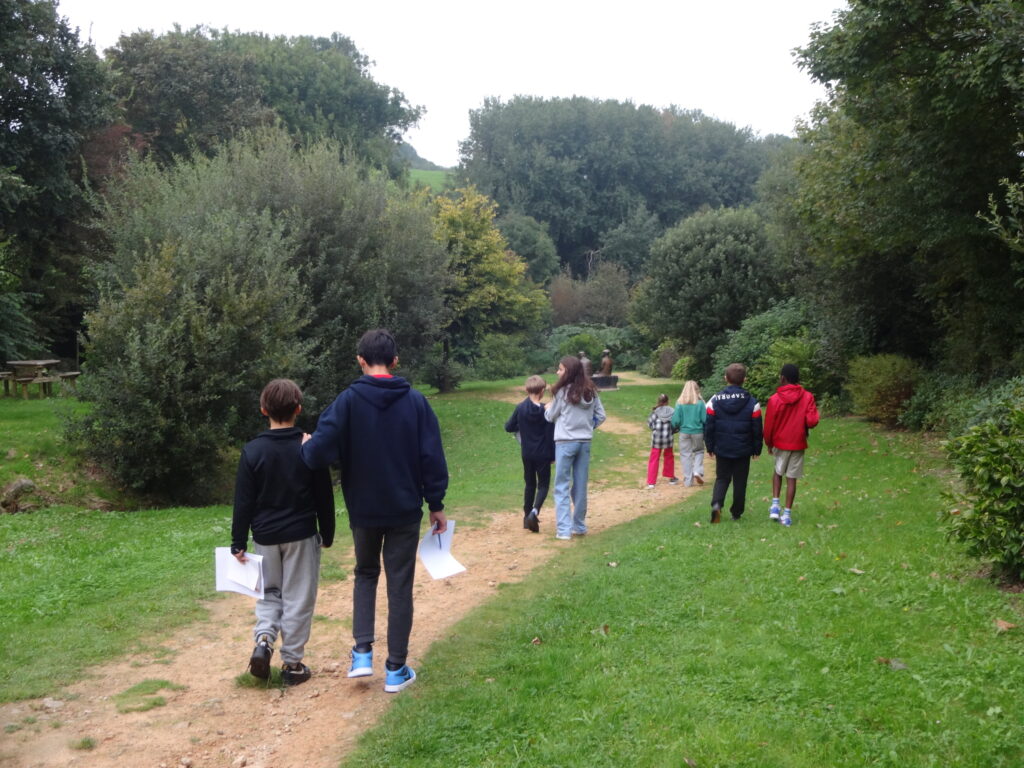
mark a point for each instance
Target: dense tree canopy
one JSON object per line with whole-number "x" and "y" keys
{"x": 925, "y": 116}
{"x": 584, "y": 166}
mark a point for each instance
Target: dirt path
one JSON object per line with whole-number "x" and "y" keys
{"x": 210, "y": 722}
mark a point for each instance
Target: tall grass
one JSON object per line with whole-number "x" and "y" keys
{"x": 857, "y": 637}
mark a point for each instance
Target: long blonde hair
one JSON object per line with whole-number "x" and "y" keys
{"x": 690, "y": 394}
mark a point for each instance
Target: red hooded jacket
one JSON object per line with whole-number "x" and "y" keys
{"x": 790, "y": 414}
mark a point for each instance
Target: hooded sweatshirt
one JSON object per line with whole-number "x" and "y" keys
{"x": 386, "y": 438}
{"x": 660, "y": 423}
{"x": 574, "y": 423}
{"x": 536, "y": 434}
{"x": 791, "y": 412}
{"x": 733, "y": 428}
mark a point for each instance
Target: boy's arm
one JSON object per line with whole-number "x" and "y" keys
{"x": 245, "y": 504}
{"x": 433, "y": 467}
{"x": 322, "y": 448}
{"x": 812, "y": 417}
{"x": 323, "y": 497}
{"x": 757, "y": 434}
{"x": 769, "y": 425}
{"x": 512, "y": 425}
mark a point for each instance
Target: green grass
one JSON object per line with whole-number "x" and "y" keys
{"x": 435, "y": 180}
{"x": 143, "y": 697}
{"x": 857, "y": 637}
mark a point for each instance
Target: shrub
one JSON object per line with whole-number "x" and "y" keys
{"x": 763, "y": 377}
{"x": 683, "y": 368}
{"x": 500, "y": 356}
{"x": 881, "y": 385}
{"x": 941, "y": 403}
{"x": 990, "y": 460}
{"x": 587, "y": 342}
{"x": 662, "y": 360}
{"x": 627, "y": 349}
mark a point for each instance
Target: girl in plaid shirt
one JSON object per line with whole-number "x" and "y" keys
{"x": 660, "y": 423}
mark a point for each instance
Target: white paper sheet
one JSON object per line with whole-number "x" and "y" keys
{"x": 233, "y": 576}
{"x": 436, "y": 553}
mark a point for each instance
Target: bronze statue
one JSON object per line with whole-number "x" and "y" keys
{"x": 588, "y": 367}
{"x": 606, "y": 363}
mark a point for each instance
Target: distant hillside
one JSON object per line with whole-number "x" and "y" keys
{"x": 408, "y": 153}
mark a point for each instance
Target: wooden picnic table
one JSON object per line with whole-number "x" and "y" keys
{"x": 33, "y": 372}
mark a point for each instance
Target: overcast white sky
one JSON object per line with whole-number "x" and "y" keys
{"x": 732, "y": 59}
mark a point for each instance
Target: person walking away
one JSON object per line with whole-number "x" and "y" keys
{"x": 688, "y": 418}
{"x": 576, "y": 411}
{"x": 660, "y": 424}
{"x": 386, "y": 438}
{"x": 790, "y": 415}
{"x": 732, "y": 434}
{"x": 290, "y": 509}
{"x": 537, "y": 447}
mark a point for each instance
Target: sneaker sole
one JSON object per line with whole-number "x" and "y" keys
{"x": 360, "y": 672}
{"x": 400, "y": 686}
{"x": 260, "y": 666}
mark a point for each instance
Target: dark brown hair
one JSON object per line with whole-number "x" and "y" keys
{"x": 736, "y": 374}
{"x": 280, "y": 399}
{"x": 575, "y": 381}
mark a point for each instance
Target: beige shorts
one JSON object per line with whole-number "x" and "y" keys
{"x": 789, "y": 463}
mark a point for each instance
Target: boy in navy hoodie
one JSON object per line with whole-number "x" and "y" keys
{"x": 283, "y": 501}
{"x": 732, "y": 434}
{"x": 387, "y": 440}
{"x": 537, "y": 445}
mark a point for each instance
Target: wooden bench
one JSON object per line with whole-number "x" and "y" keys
{"x": 69, "y": 379}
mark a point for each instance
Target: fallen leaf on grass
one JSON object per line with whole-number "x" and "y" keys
{"x": 536, "y": 641}
{"x": 602, "y": 630}
{"x": 858, "y": 571}
{"x": 801, "y": 544}
{"x": 613, "y": 565}
{"x": 1004, "y": 626}
{"x": 690, "y": 762}
{"x": 697, "y": 524}
{"x": 891, "y": 663}
{"x": 802, "y": 578}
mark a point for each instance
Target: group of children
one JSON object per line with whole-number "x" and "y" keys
{"x": 730, "y": 428}
{"x": 385, "y": 438}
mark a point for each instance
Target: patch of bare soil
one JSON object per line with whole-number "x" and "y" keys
{"x": 210, "y": 722}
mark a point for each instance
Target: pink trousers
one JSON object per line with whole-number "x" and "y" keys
{"x": 652, "y": 464}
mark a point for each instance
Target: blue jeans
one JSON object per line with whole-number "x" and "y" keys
{"x": 572, "y": 463}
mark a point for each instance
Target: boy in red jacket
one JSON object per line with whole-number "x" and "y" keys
{"x": 791, "y": 413}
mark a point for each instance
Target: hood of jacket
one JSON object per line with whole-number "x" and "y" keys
{"x": 381, "y": 393}
{"x": 732, "y": 400}
{"x": 664, "y": 412}
{"x": 790, "y": 393}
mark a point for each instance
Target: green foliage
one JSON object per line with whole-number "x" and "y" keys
{"x": 585, "y": 167}
{"x": 142, "y": 697}
{"x": 751, "y": 342}
{"x": 942, "y": 403}
{"x": 587, "y": 343}
{"x": 628, "y": 351}
{"x": 663, "y": 359}
{"x": 629, "y": 244}
{"x": 923, "y": 122}
{"x": 435, "y": 181}
{"x": 500, "y": 356}
{"x": 705, "y": 276}
{"x": 881, "y": 385}
{"x": 989, "y": 458}
{"x": 191, "y": 90}
{"x": 601, "y": 298}
{"x": 683, "y": 369}
{"x": 530, "y": 239}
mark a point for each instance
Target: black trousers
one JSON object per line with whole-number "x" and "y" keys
{"x": 397, "y": 546}
{"x": 733, "y": 471}
{"x": 537, "y": 479}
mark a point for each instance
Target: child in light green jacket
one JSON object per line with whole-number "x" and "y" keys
{"x": 689, "y": 417}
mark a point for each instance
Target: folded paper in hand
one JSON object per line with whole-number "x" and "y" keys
{"x": 233, "y": 576}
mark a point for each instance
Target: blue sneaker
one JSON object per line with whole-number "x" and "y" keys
{"x": 397, "y": 679}
{"x": 786, "y": 519}
{"x": 362, "y": 664}
{"x": 774, "y": 513}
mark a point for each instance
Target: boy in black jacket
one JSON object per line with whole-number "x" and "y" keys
{"x": 283, "y": 501}
{"x": 732, "y": 434}
{"x": 537, "y": 444}
{"x": 387, "y": 439}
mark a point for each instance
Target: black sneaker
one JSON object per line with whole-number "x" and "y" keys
{"x": 259, "y": 662}
{"x": 530, "y": 521}
{"x": 295, "y": 674}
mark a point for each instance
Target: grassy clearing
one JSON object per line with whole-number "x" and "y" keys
{"x": 435, "y": 180}
{"x": 857, "y": 637}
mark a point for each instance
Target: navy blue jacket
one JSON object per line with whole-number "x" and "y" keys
{"x": 386, "y": 438}
{"x": 733, "y": 428}
{"x": 536, "y": 434}
{"x": 277, "y": 495}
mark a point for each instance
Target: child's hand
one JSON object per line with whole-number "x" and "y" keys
{"x": 240, "y": 557}
{"x": 306, "y": 437}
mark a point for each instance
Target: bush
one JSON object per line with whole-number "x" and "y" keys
{"x": 662, "y": 360}
{"x": 763, "y": 377}
{"x": 683, "y": 368}
{"x": 941, "y": 403}
{"x": 990, "y": 460}
{"x": 881, "y": 386}
{"x": 627, "y": 350}
{"x": 500, "y": 356}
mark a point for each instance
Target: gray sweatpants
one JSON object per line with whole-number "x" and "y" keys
{"x": 291, "y": 573}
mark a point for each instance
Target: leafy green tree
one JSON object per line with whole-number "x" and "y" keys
{"x": 530, "y": 239}
{"x": 923, "y": 120}
{"x": 705, "y": 276}
{"x": 53, "y": 94}
{"x": 584, "y": 166}
{"x": 629, "y": 244}
{"x": 195, "y": 88}
{"x": 487, "y": 292}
